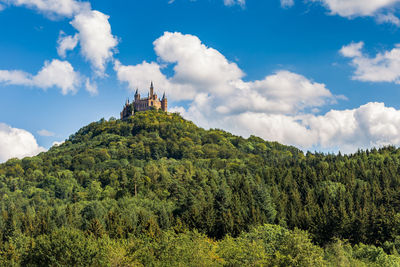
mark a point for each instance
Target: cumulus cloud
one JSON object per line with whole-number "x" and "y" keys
{"x": 384, "y": 67}
{"x": 57, "y": 74}
{"x": 352, "y": 50}
{"x": 17, "y": 143}
{"x": 138, "y": 76}
{"x": 96, "y": 40}
{"x": 372, "y": 124}
{"x": 66, "y": 8}
{"x": 66, "y": 43}
{"x": 53, "y": 74}
{"x": 284, "y": 92}
{"x": 45, "y": 133}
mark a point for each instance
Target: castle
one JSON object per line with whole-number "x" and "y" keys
{"x": 143, "y": 104}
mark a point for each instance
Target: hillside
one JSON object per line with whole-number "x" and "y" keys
{"x": 156, "y": 188}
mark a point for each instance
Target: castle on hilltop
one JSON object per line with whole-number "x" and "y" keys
{"x": 143, "y": 104}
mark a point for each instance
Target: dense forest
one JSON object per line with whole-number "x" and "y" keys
{"x": 156, "y": 190}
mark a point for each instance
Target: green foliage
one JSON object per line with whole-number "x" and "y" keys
{"x": 132, "y": 187}
{"x": 271, "y": 245}
{"x": 65, "y": 247}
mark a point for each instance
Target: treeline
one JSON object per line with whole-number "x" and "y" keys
{"x": 127, "y": 186}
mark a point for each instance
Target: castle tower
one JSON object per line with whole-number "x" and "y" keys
{"x": 151, "y": 90}
{"x": 164, "y": 103}
{"x": 137, "y": 95}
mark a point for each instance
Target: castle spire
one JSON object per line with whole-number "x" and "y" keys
{"x": 163, "y": 96}
{"x": 151, "y": 90}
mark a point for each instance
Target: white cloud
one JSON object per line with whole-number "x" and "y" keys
{"x": 235, "y": 2}
{"x": 371, "y": 125}
{"x": 352, "y": 50}
{"x": 196, "y": 63}
{"x": 17, "y": 143}
{"x": 66, "y": 43}
{"x": 45, "y": 133}
{"x": 287, "y": 3}
{"x": 66, "y": 8}
{"x": 15, "y": 77}
{"x": 351, "y": 8}
{"x": 53, "y": 74}
{"x": 283, "y": 92}
{"x": 384, "y": 67}
{"x": 58, "y": 74}
{"x": 96, "y": 40}
{"x": 139, "y": 76}
{"x": 91, "y": 87}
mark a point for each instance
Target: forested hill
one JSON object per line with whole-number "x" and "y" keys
{"x": 158, "y": 190}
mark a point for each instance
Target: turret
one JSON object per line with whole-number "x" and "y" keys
{"x": 164, "y": 103}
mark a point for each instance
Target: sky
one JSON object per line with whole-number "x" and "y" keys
{"x": 322, "y": 75}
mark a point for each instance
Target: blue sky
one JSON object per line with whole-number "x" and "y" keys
{"x": 320, "y": 74}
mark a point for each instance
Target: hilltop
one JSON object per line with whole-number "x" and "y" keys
{"x": 149, "y": 189}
